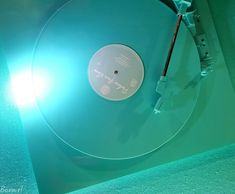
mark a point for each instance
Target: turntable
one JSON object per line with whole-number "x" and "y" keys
{"x": 118, "y": 87}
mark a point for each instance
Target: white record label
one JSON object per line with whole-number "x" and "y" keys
{"x": 116, "y": 72}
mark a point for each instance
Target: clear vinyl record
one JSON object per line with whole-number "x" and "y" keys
{"x": 104, "y": 59}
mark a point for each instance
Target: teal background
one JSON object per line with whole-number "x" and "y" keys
{"x": 16, "y": 170}
{"x": 211, "y": 172}
{"x": 57, "y": 170}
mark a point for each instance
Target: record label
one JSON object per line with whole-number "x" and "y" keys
{"x": 116, "y": 72}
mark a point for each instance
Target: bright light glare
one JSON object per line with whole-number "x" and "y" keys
{"x": 24, "y": 88}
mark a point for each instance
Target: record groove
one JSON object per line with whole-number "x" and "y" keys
{"x": 117, "y": 127}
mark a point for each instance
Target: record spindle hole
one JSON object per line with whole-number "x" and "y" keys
{"x": 116, "y": 72}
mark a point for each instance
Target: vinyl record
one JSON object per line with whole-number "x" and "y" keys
{"x": 103, "y": 60}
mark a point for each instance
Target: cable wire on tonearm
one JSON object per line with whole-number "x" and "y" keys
{"x": 181, "y": 6}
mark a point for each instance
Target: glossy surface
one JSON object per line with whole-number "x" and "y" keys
{"x": 84, "y": 120}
